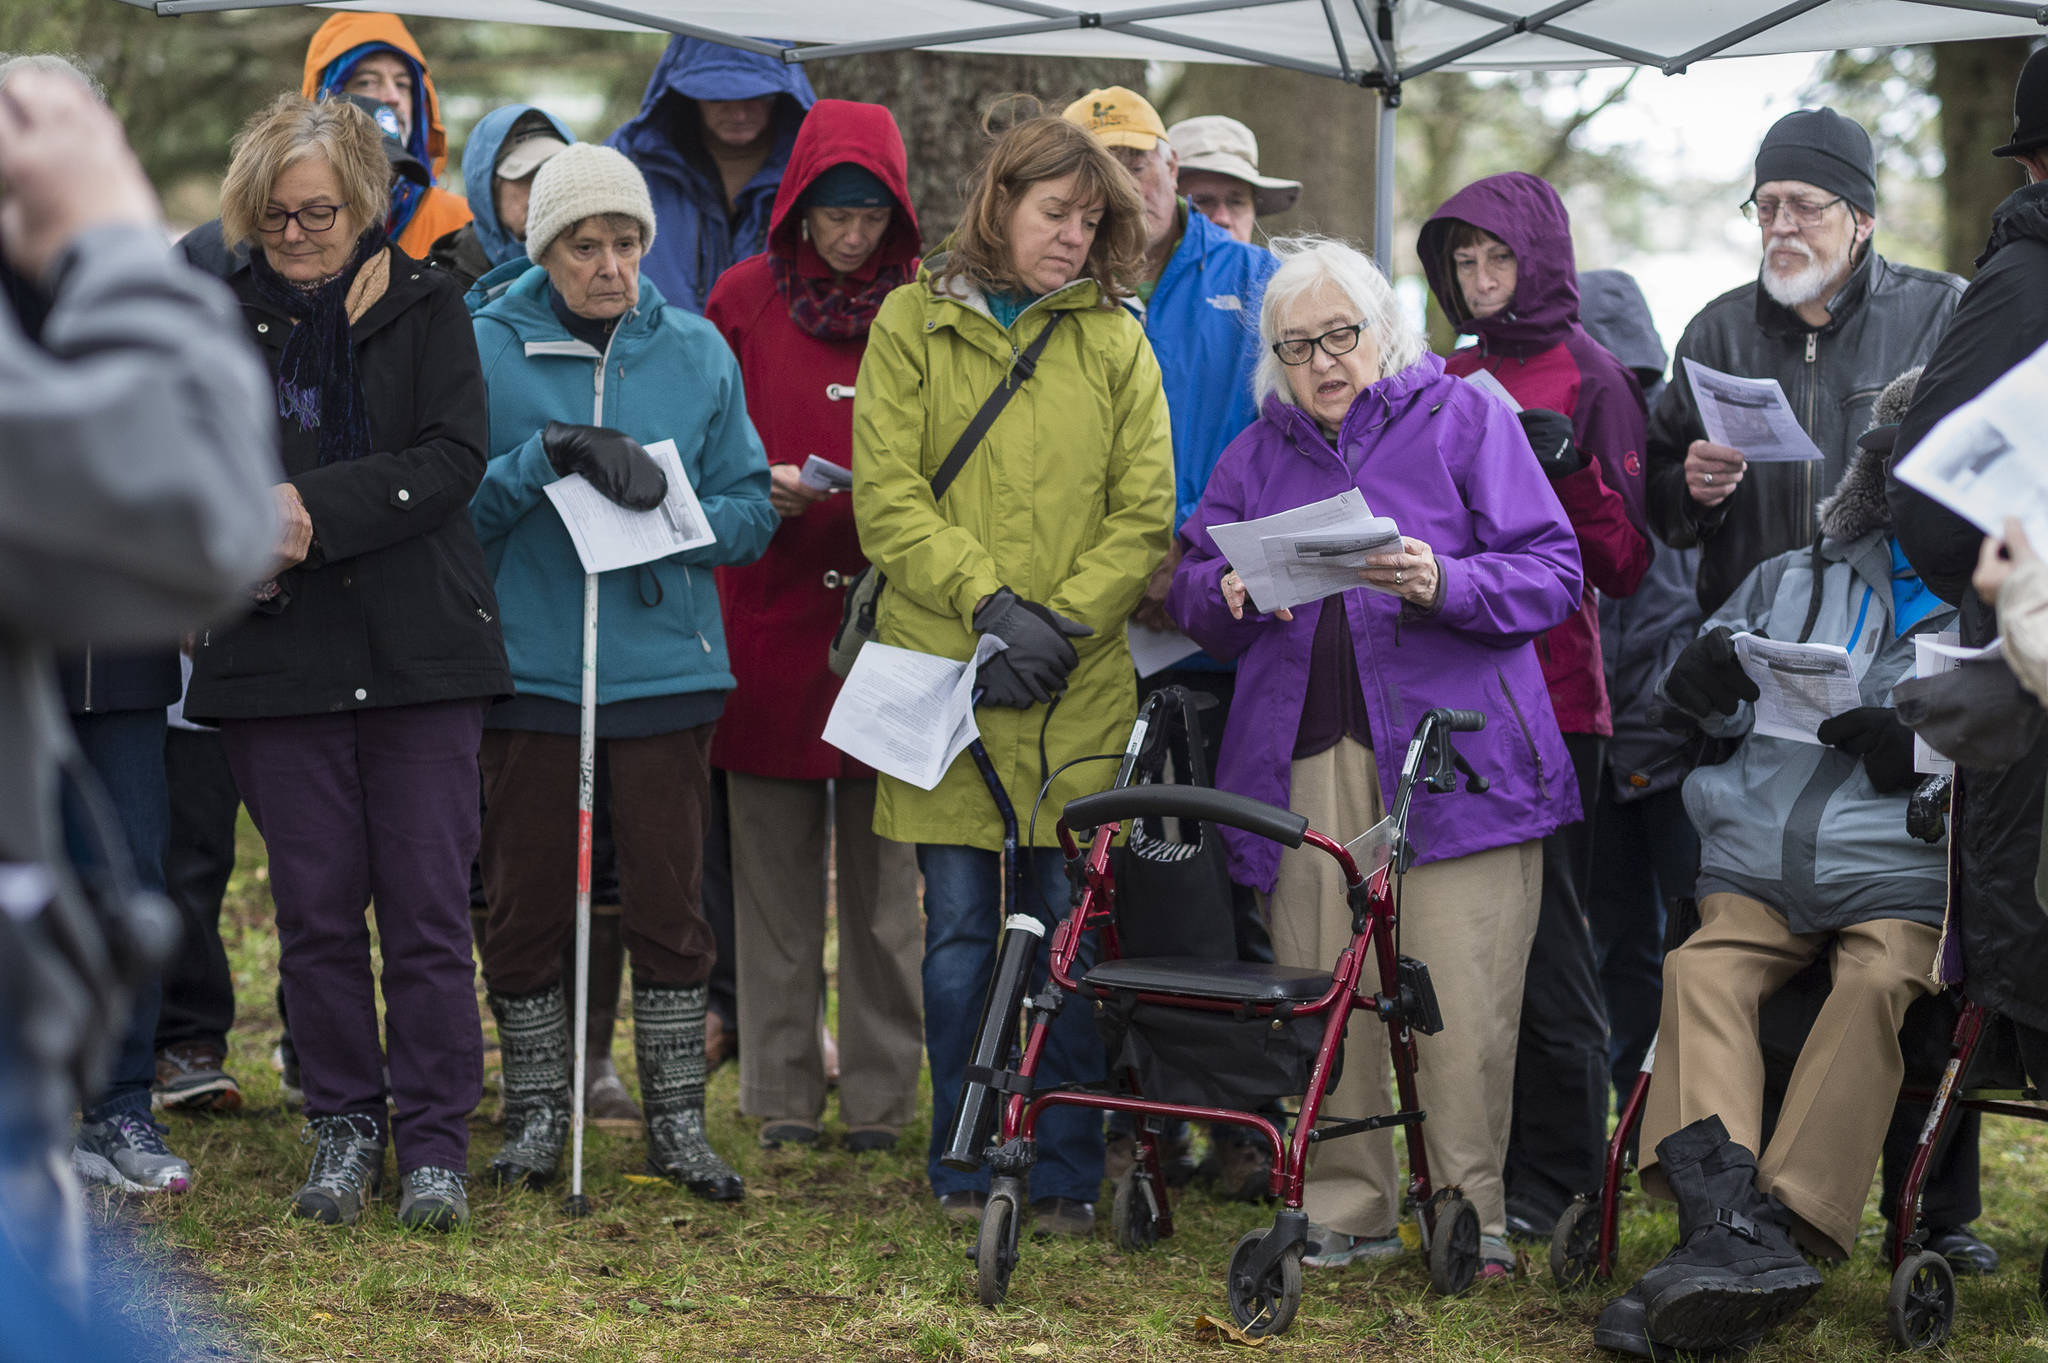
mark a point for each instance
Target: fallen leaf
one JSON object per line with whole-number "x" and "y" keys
{"x": 646, "y": 1181}
{"x": 320, "y": 1315}
{"x": 1209, "y": 1328}
{"x": 1039, "y": 1350}
{"x": 888, "y": 1251}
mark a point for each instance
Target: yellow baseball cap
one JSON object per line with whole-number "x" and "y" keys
{"x": 1118, "y": 118}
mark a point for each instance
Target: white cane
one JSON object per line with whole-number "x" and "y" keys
{"x": 577, "y": 1205}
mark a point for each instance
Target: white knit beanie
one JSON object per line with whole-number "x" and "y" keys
{"x": 579, "y": 182}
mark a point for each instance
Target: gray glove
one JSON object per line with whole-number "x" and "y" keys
{"x": 1034, "y": 667}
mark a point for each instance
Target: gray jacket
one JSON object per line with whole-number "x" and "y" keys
{"x": 141, "y": 438}
{"x": 1798, "y": 825}
{"x": 1884, "y": 321}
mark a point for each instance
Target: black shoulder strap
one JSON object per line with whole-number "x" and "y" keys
{"x": 991, "y": 409}
{"x": 1820, "y": 568}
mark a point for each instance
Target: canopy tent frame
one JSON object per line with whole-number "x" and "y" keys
{"x": 1381, "y": 72}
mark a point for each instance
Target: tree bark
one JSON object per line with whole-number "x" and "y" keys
{"x": 1974, "y": 82}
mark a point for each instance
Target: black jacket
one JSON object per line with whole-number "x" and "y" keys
{"x": 2002, "y": 320}
{"x": 1884, "y": 321}
{"x": 393, "y": 605}
{"x": 100, "y": 681}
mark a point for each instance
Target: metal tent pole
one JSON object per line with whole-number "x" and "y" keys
{"x": 1383, "y": 187}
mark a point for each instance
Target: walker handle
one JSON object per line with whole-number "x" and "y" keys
{"x": 1463, "y": 721}
{"x": 1186, "y": 802}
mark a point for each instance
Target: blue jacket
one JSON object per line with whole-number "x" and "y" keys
{"x": 1203, "y": 322}
{"x": 666, "y": 375}
{"x": 695, "y": 240}
{"x": 479, "y": 161}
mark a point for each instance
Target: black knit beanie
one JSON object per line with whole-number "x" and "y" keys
{"x": 1823, "y": 149}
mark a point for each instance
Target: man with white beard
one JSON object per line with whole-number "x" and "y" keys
{"x": 1827, "y": 317}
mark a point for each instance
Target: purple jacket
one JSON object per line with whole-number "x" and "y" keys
{"x": 1452, "y": 467}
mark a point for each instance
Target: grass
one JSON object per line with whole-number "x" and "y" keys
{"x": 833, "y": 1256}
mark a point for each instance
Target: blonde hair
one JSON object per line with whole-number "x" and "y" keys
{"x": 1034, "y": 150}
{"x": 1310, "y": 263}
{"x": 289, "y": 130}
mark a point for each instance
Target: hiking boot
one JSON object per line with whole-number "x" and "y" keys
{"x": 127, "y": 1151}
{"x": 432, "y": 1198}
{"x": 1242, "y": 1170}
{"x": 189, "y": 1078}
{"x": 1068, "y": 1216}
{"x": 1623, "y": 1328}
{"x": 348, "y": 1167}
{"x": 1736, "y": 1272}
{"x": 1326, "y": 1248}
{"x": 533, "y": 1046}
{"x": 668, "y": 1045}
{"x": 606, "y": 1103}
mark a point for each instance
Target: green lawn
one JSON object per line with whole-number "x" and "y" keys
{"x": 831, "y": 1256}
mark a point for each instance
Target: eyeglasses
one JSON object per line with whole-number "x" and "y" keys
{"x": 1805, "y": 213}
{"x": 1342, "y": 341}
{"x": 311, "y": 218}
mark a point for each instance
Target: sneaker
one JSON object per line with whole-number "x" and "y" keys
{"x": 127, "y": 1151}
{"x": 348, "y": 1166}
{"x": 285, "y": 1060}
{"x": 189, "y": 1078}
{"x": 1328, "y": 1248}
{"x": 1062, "y": 1216}
{"x": 1496, "y": 1258}
{"x": 432, "y": 1198}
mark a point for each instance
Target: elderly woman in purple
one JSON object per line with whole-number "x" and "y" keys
{"x": 1350, "y": 398}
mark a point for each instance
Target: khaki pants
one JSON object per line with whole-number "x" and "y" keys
{"x": 1839, "y": 1102}
{"x": 779, "y": 871}
{"x": 1470, "y": 920}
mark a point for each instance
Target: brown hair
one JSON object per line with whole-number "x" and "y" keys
{"x": 1036, "y": 149}
{"x": 289, "y": 130}
{"x": 1462, "y": 235}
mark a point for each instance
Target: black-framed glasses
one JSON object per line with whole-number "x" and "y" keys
{"x": 311, "y": 218}
{"x": 1805, "y": 212}
{"x": 1341, "y": 341}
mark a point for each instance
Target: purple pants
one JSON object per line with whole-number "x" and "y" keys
{"x": 375, "y": 807}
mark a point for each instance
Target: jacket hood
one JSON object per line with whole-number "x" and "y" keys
{"x": 1613, "y": 310}
{"x": 1375, "y": 407}
{"x": 353, "y": 36}
{"x": 1525, "y": 212}
{"x": 837, "y": 131}
{"x": 480, "y": 159}
{"x": 2022, "y": 217}
{"x": 692, "y": 68}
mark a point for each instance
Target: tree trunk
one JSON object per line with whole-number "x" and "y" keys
{"x": 1974, "y": 82}
{"x": 939, "y": 99}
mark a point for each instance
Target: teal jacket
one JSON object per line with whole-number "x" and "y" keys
{"x": 666, "y": 375}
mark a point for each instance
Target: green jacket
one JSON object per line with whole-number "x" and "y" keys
{"x": 1069, "y": 501}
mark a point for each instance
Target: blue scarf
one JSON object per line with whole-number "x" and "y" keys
{"x": 317, "y": 385}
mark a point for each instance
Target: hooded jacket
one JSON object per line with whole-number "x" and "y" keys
{"x": 697, "y": 239}
{"x": 339, "y": 44}
{"x": 779, "y": 612}
{"x": 483, "y": 244}
{"x": 1883, "y": 322}
{"x": 1798, "y": 825}
{"x": 664, "y": 375}
{"x": 1539, "y": 352}
{"x": 1068, "y": 501}
{"x": 1452, "y": 467}
{"x": 2002, "y": 319}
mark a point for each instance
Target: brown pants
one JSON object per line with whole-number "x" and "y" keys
{"x": 1470, "y": 920}
{"x": 660, "y": 802}
{"x": 779, "y": 873}
{"x": 1839, "y": 1102}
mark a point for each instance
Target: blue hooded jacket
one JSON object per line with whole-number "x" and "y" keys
{"x": 695, "y": 239}
{"x": 480, "y": 160}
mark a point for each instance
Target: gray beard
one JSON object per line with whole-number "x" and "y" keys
{"x": 1805, "y": 284}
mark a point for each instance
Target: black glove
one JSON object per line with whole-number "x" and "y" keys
{"x": 1034, "y": 667}
{"x": 1874, "y": 733}
{"x": 1550, "y": 435}
{"x": 612, "y": 460}
{"x": 1708, "y": 678}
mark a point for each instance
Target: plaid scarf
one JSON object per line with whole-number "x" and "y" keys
{"x": 829, "y": 310}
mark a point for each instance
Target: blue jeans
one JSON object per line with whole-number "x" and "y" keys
{"x": 963, "y": 917}
{"x": 126, "y": 749}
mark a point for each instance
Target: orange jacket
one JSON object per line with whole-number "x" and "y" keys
{"x": 439, "y": 212}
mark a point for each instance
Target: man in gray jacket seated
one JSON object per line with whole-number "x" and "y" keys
{"x": 1803, "y": 850}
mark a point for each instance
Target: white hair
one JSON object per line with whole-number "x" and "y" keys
{"x": 1310, "y": 263}
{"x": 73, "y": 67}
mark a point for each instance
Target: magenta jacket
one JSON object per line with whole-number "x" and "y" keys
{"x": 1452, "y": 467}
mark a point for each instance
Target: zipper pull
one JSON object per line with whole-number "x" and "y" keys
{"x": 1812, "y": 345}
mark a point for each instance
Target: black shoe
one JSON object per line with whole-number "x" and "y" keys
{"x": 963, "y": 1208}
{"x": 1623, "y": 1328}
{"x": 1736, "y": 1272}
{"x": 1062, "y": 1216}
{"x": 1528, "y": 1225}
{"x": 1964, "y": 1251}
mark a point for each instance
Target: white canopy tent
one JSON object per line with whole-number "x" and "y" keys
{"x": 1375, "y": 44}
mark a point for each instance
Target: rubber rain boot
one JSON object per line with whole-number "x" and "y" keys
{"x": 533, "y": 1047}
{"x": 668, "y": 1044}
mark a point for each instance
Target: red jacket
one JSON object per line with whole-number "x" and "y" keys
{"x": 779, "y": 614}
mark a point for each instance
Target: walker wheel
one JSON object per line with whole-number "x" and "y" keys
{"x": 1265, "y": 1306}
{"x": 1133, "y": 1216}
{"x": 995, "y": 1251}
{"x": 1453, "y": 1244}
{"x": 1575, "y": 1244}
{"x": 1922, "y": 1304}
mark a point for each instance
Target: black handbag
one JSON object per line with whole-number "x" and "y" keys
{"x": 857, "y": 613}
{"x": 1173, "y": 896}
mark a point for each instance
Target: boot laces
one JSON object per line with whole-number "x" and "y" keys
{"x": 432, "y": 1181}
{"x": 341, "y": 1148}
